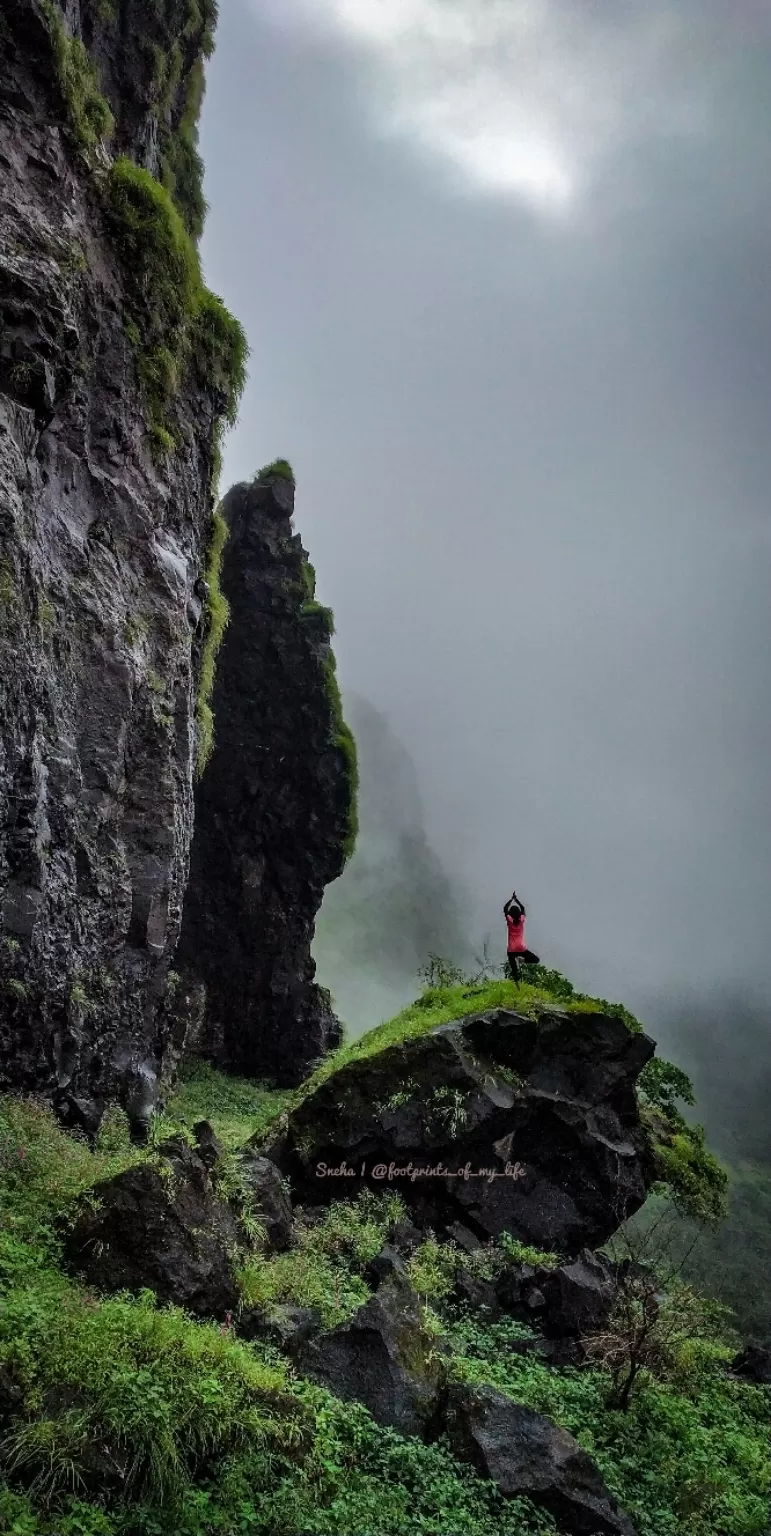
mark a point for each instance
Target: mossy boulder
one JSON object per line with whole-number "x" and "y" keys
{"x": 160, "y": 1227}
{"x": 498, "y": 1121}
{"x": 383, "y": 1357}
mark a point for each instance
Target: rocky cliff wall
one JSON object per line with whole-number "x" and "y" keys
{"x": 116, "y": 367}
{"x": 275, "y": 806}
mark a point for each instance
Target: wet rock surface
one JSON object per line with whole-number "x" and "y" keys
{"x": 382, "y": 1357}
{"x": 162, "y": 1227}
{"x": 99, "y": 548}
{"x": 566, "y": 1301}
{"x": 525, "y": 1453}
{"x": 754, "y": 1364}
{"x": 271, "y": 809}
{"x": 543, "y": 1113}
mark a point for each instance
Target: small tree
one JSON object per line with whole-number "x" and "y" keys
{"x": 438, "y": 972}
{"x": 655, "y": 1319}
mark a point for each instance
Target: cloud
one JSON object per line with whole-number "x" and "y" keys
{"x": 526, "y": 98}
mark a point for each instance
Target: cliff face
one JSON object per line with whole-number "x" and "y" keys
{"x": 273, "y": 809}
{"x": 104, "y": 515}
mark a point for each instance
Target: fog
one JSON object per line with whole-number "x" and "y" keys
{"x": 504, "y": 268}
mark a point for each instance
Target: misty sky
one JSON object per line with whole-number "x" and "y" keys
{"x": 505, "y": 268}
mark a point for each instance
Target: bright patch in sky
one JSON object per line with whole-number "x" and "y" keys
{"x": 524, "y": 97}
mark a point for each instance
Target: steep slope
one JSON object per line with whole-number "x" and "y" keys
{"x": 116, "y": 368}
{"x": 275, "y": 806}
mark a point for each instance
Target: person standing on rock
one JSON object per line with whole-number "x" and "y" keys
{"x": 517, "y": 952}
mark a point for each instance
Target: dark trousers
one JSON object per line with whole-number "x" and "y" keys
{"x": 515, "y": 963}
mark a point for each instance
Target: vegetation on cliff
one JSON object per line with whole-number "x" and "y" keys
{"x": 89, "y": 116}
{"x": 218, "y": 612}
{"x": 172, "y": 320}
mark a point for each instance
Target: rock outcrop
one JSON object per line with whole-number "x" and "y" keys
{"x": 103, "y": 524}
{"x": 496, "y": 1121}
{"x": 161, "y": 1227}
{"x": 523, "y": 1452}
{"x": 273, "y": 808}
{"x": 382, "y": 1357}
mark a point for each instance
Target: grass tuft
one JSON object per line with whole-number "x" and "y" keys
{"x": 90, "y": 119}
{"x": 217, "y": 615}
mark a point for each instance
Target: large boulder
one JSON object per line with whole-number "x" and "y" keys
{"x": 160, "y": 1226}
{"x": 382, "y": 1357}
{"x": 496, "y": 1121}
{"x": 524, "y": 1453}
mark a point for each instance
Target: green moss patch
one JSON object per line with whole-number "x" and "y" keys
{"x": 172, "y": 321}
{"x": 442, "y": 1005}
{"x": 280, "y": 467}
{"x": 217, "y": 615}
{"x": 90, "y": 118}
{"x": 346, "y": 746}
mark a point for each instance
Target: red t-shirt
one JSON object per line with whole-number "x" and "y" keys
{"x": 516, "y": 927}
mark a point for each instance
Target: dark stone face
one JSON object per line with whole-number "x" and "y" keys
{"x": 381, "y": 1357}
{"x": 271, "y": 809}
{"x": 164, "y": 1228}
{"x": 553, "y": 1152}
{"x": 99, "y": 547}
{"x": 523, "y": 1452}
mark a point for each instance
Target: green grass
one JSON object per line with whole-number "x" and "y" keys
{"x": 690, "y": 1456}
{"x": 89, "y": 116}
{"x": 325, "y": 1269}
{"x": 135, "y": 1420}
{"x": 442, "y": 1005}
{"x": 218, "y": 613}
{"x": 237, "y": 1108}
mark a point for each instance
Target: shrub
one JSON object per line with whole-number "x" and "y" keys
{"x": 222, "y": 350}
{"x": 325, "y": 1269}
{"x": 692, "y": 1177}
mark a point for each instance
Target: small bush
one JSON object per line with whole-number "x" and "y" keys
{"x": 280, "y": 467}
{"x": 691, "y": 1176}
{"x": 222, "y": 350}
{"x": 324, "y": 1269}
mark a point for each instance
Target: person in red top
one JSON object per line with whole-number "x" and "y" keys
{"x": 517, "y": 952}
